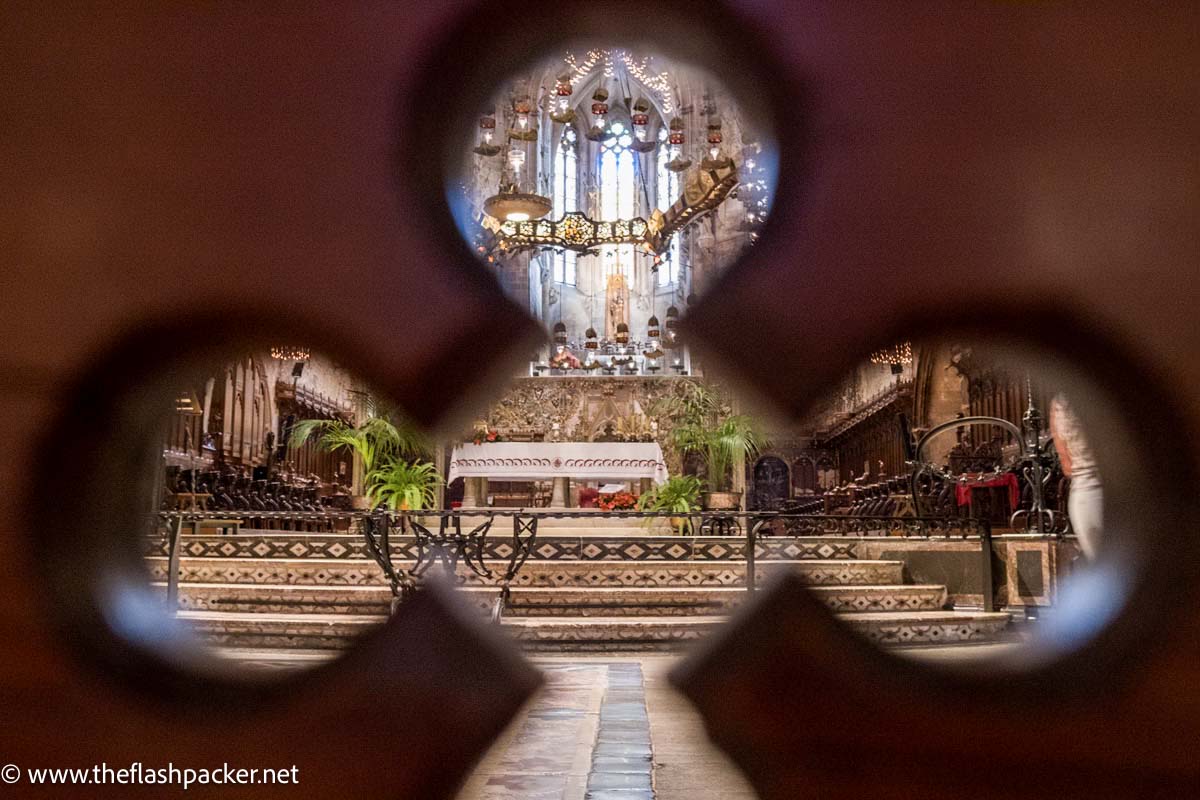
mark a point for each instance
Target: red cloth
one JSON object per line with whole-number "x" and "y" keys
{"x": 588, "y": 497}
{"x": 962, "y": 491}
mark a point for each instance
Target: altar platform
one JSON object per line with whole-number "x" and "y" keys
{"x": 613, "y": 588}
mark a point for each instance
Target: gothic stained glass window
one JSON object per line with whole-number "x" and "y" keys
{"x": 668, "y": 192}
{"x": 565, "y": 196}
{"x": 618, "y": 194}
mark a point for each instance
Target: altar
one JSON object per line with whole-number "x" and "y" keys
{"x": 559, "y": 462}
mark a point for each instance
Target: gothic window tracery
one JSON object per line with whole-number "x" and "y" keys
{"x": 566, "y": 176}
{"x": 618, "y": 194}
{"x": 668, "y": 192}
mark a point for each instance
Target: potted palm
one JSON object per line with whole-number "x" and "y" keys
{"x": 720, "y": 443}
{"x": 377, "y": 441}
{"x": 404, "y": 485}
{"x": 679, "y": 495}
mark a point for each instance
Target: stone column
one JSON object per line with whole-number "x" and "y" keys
{"x": 475, "y": 492}
{"x": 560, "y": 492}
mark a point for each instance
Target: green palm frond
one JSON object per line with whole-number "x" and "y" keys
{"x": 375, "y": 440}
{"x": 720, "y": 445}
{"x": 404, "y": 485}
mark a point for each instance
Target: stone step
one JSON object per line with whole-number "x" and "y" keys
{"x": 648, "y": 574}
{"x": 556, "y": 602}
{"x": 311, "y": 632}
{"x": 610, "y": 634}
{"x": 639, "y": 546}
{"x": 280, "y": 631}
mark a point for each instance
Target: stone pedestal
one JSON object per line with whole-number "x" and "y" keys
{"x": 560, "y": 492}
{"x": 475, "y": 492}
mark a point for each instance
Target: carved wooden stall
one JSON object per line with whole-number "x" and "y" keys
{"x": 173, "y": 178}
{"x": 868, "y": 442}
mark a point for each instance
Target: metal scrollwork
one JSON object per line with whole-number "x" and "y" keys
{"x": 1034, "y": 462}
{"x": 450, "y": 545}
{"x": 524, "y": 534}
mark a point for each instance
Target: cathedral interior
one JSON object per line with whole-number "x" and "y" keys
{"x": 660, "y": 403}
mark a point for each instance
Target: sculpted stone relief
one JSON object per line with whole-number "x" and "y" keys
{"x": 588, "y": 409}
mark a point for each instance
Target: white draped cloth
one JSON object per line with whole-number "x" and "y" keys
{"x": 529, "y": 461}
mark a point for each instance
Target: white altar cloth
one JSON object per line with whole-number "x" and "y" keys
{"x": 529, "y": 461}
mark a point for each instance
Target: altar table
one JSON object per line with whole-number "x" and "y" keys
{"x": 559, "y": 461}
{"x": 533, "y": 461}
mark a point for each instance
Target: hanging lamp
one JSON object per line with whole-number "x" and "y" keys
{"x": 653, "y": 335}
{"x": 716, "y": 158}
{"x": 670, "y": 338}
{"x": 639, "y": 116}
{"x": 677, "y": 138}
{"x": 510, "y": 204}
{"x": 563, "y": 113}
{"x": 524, "y": 127}
{"x": 487, "y": 134}
{"x": 599, "y": 130}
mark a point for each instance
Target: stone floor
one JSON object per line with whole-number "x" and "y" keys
{"x": 612, "y": 728}
{"x": 606, "y": 728}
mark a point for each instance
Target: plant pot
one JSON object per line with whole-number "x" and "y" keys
{"x": 722, "y": 501}
{"x": 359, "y": 503}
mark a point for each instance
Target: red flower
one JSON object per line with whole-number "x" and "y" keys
{"x": 491, "y": 437}
{"x": 618, "y": 501}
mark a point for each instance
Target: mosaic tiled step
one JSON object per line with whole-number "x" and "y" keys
{"x": 280, "y": 631}
{"x": 615, "y": 634}
{"x": 346, "y": 572}
{"x": 635, "y": 601}
{"x": 637, "y": 545}
{"x": 608, "y": 634}
{"x": 564, "y": 601}
{"x": 929, "y": 627}
{"x": 284, "y": 598}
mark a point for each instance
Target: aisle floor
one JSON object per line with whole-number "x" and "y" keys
{"x": 606, "y": 729}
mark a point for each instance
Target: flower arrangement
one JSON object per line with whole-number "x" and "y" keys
{"x": 617, "y": 501}
{"x": 483, "y": 435}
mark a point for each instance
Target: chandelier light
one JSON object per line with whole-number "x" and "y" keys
{"x": 639, "y": 116}
{"x": 290, "y": 353}
{"x": 523, "y": 129}
{"x": 599, "y": 130}
{"x": 487, "y": 134}
{"x": 896, "y": 356}
{"x": 513, "y": 206}
{"x": 563, "y": 89}
{"x": 676, "y": 139}
{"x": 716, "y": 159}
{"x": 671, "y": 337}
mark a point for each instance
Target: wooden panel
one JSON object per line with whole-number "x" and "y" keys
{"x": 231, "y": 158}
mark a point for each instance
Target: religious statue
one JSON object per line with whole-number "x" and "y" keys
{"x": 616, "y": 305}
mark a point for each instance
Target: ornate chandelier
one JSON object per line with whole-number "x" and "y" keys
{"x": 896, "y": 356}
{"x": 513, "y": 206}
{"x": 290, "y": 353}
